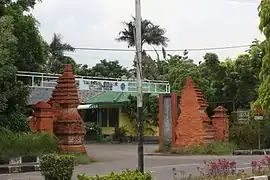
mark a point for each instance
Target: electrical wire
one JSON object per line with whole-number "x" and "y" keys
{"x": 168, "y": 50}
{"x": 244, "y": 1}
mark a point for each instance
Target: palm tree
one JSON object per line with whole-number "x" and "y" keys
{"x": 57, "y": 58}
{"x": 152, "y": 35}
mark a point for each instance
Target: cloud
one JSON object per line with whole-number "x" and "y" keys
{"x": 188, "y": 24}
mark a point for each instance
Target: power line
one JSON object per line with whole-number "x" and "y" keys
{"x": 244, "y": 1}
{"x": 168, "y": 50}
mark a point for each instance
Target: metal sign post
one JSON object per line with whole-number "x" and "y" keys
{"x": 259, "y": 118}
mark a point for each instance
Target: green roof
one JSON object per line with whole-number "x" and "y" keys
{"x": 109, "y": 97}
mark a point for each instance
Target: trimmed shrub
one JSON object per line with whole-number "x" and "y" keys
{"x": 26, "y": 144}
{"x": 93, "y": 132}
{"x": 124, "y": 175}
{"x": 83, "y": 159}
{"x": 120, "y": 134}
{"x": 57, "y": 167}
{"x": 80, "y": 158}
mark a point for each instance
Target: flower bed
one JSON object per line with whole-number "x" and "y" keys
{"x": 124, "y": 175}
{"x": 223, "y": 169}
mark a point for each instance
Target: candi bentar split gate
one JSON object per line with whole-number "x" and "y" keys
{"x": 57, "y": 98}
{"x": 182, "y": 119}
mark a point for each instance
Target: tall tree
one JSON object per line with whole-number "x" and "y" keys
{"x": 264, "y": 26}
{"x": 152, "y": 35}
{"x": 14, "y": 95}
{"x": 214, "y": 75}
{"x": 30, "y": 45}
{"x": 57, "y": 58}
{"x": 106, "y": 69}
{"x": 177, "y": 68}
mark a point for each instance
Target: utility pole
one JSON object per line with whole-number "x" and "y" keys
{"x": 138, "y": 41}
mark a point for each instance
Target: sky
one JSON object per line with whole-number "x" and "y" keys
{"x": 189, "y": 24}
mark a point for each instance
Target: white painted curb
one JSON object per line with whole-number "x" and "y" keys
{"x": 257, "y": 178}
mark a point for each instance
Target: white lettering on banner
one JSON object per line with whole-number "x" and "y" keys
{"x": 119, "y": 86}
{"x": 87, "y": 83}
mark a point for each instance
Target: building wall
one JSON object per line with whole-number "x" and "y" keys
{"x": 130, "y": 127}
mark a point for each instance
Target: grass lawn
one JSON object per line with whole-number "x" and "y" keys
{"x": 84, "y": 159}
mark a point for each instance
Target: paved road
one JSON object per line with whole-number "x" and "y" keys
{"x": 119, "y": 157}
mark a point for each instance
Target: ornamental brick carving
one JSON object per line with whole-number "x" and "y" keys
{"x": 221, "y": 124}
{"x": 65, "y": 119}
{"x": 66, "y": 100}
{"x": 42, "y": 119}
{"x": 193, "y": 125}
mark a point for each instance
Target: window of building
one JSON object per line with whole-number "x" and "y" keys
{"x": 89, "y": 115}
{"x": 109, "y": 117}
{"x": 82, "y": 113}
{"x": 104, "y": 117}
{"x": 113, "y": 117}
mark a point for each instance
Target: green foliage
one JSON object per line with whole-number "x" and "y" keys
{"x": 24, "y": 5}
{"x": 92, "y": 126}
{"x": 150, "y": 109}
{"x": 120, "y": 134}
{"x": 265, "y": 127}
{"x": 82, "y": 158}
{"x": 124, "y": 175}
{"x": 264, "y": 93}
{"x": 26, "y": 144}
{"x": 215, "y": 148}
{"x": 264, "y": 15}
{"x": 167, "y": 147}
{"x": 245, "y": 136}
{"x": 14, "y": 95}
{"x": 151, "y": 34}
{"x": 93, "y": 131}
{"x": 105, "y": 68}
{"x": 56, "y": 58}
{"x": 212, "y": 77}
{"x": 230, "y": 82}
{"x": 149, "y": 67}
{"x": 57, "y": 167}
{"x": 31, "y": 50}
{"x": 176, "y": 68}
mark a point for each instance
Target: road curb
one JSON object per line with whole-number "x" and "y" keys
{"x": 252, "y": 152}
{"x": 162, "y": 154}
{"x": 257, "y": 178}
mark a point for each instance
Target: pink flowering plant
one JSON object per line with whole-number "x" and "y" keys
{"x": 266, "y": 161}
{"x": 223, "y": 169}
{"x": 218, "y": 169}
{"x": 261, "y": 167}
